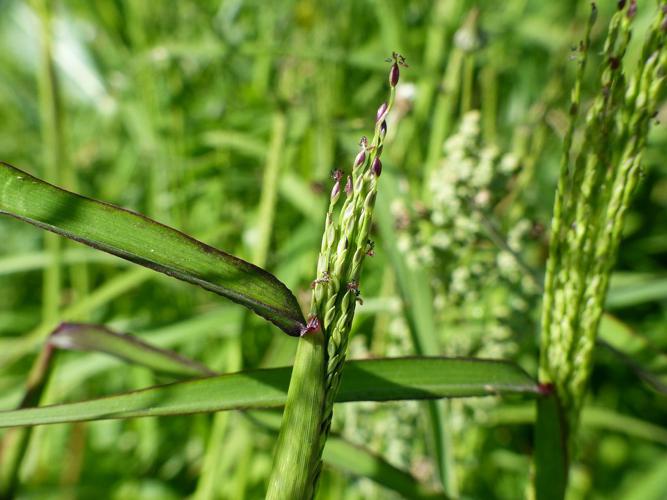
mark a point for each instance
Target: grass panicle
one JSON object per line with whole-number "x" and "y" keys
{"x": 595, "y": 189}
{"x": 345, "y": 244}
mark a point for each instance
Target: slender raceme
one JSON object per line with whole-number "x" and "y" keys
{"x": 594, "y": 192}
{"x": 321, "y": 352}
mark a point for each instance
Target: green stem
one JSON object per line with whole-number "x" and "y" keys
{"x": 297, "y": 461}
{"x": 52, "y": 134}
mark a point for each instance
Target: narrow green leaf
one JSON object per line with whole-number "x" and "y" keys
{"x": 98, "y": 338}
{"x": 149, "y": 243}
{"x": 371, "y": 380}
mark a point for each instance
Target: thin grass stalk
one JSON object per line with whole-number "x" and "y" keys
{"x": 322, "y": 347}
{"x": 50, "y": 110}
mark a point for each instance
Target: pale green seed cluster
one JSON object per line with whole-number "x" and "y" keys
{"x": 595, "y": 189}
{"x": 478, "y": 285}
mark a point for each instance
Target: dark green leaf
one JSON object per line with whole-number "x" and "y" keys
{"x": 149, "y": 243}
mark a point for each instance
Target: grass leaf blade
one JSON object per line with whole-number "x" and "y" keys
{"x": 371, "y": 380}
{"x": 146, "y": 242}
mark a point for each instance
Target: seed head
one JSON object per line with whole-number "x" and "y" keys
{"x": 383, "y": 129}
{"x": 377, "y": 167}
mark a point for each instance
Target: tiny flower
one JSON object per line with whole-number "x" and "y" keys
{"x": 335, "y": 192}
{"x": 632, "y": 9}
{"x": 382, "y": 110}
{"x": 360, "y": 159}
{"x": 324, "y": 279}
{"x": 370, "y": 248}
{"x": 377, "y": 167}
{"x": 394, "y": 74}
{"x": 313, "y": 325}
{"x": 348, "y": 186}
{"x": 383, "y": 129}
{"x": 337, "y": 174}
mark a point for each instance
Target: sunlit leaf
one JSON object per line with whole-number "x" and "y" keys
{"x": 371, "y": 380}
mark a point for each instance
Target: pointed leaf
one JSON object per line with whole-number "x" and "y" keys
{"x": 371, "y": 380}
{"x": 98, "y": 338}
{"x": 141, "y": 240}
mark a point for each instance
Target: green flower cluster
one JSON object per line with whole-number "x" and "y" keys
{"x": 595, "y": 189}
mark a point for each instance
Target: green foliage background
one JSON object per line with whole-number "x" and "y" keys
{"x": 179, "y": 109}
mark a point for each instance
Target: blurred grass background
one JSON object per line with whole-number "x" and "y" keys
{"x": 225, "y": 119}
